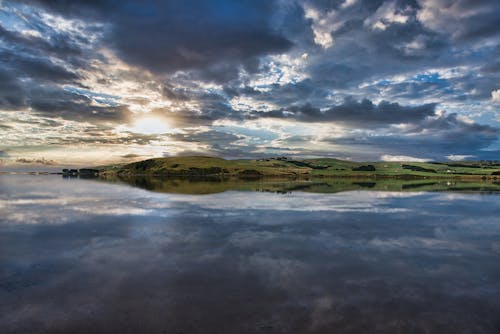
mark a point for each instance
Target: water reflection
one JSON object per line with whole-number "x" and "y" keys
{"x": 84, "y": 256}
{"x": 321, "y": 185}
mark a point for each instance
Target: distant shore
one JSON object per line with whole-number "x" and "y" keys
{"x": 283, "y": 167}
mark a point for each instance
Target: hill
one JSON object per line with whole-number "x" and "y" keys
{"x": 201, "y": 166}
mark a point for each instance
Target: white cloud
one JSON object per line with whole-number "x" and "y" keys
{"x": 458, "y": 157}
{"x": 281, "y": 70}
{"x": 414, "y": 47}
{"x": 495, "y": 95}
{"x": 385, "y": 15}
{"x": 348, "y": 3}
{"x": 448, "y": 16}
{"x": 396, "y": 158}
{"x": 323, "y": 25}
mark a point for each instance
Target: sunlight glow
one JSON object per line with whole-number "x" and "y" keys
{"x": 150, "y": 125}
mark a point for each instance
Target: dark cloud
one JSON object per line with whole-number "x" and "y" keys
{"x": 57, "y": 43}
{"x": 432, "y": 138}
{"x": 286, "y": 94}
{"x": 29, "y": 82}
{"x": 354, "y": 113}
{"x": 175, "y": 94}
{"x": 406, "y": 53}
{"x": 98, "y": 137}
{"x": 220, "y": 143}
{"x": 41, "y": 161}
{"x": 60, "y": 103}
{"x": 216, "y": 143}
{"x": 465, "y": 20}
{"x": 213, "y": 137}
{"x": 131, "y": 156}
{"x": 213, "y": 106}
{"x": 452, "y": 122}
{"x": 491, "y": 68}
{"x": 36, "y": 68}
{"x": 361, "y": 53}
{"x": 12, "y": 94}
{"x": 53, "y": 101}
{"x": 176, "y": 35}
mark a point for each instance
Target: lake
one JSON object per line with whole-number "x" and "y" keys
{"x": 176, "y": 256}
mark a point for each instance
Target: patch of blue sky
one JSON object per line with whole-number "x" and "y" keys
{"x": 261, "y": 134}
{"x": 430, "y": 78}
{"x": 479, "y": 112}
{"x": 490, "y": 118}
{"x": 10, "y": 19}
{"x": 384, "y": 82}
{"x": 111, "y": 100}
{"x": 262, "y": 87}
{"x": 19, "y": 17}
{"x": 214, "y": 90}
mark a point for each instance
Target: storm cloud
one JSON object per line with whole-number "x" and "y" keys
{"x": 361, "y": 114}
{"x": 177, "y": 35}
{"x": 347, "y": 78}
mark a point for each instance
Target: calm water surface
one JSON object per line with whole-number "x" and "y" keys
{"x": 81, "y": 256}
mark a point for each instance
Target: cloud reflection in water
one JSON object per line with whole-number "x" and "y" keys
{"x": 81, "y": 256}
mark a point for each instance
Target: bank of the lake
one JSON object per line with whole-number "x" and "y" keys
{"x": 283, "y": 167}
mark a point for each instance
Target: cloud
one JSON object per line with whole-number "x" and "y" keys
{"x": 318, "y": 77}
{"x": 213, "y": 137}
{"x": 219, "y": 143}
{"x": 454, "y": 157}
{"x": 353, "y": 113}
{"x": 396, "y": 158}
{"x": 464, "y": 20}
{"x": 40, "y": 161}
{"x": 131, "y": 156}
{"x": 60, "y": 103}
{"x": 495, "y": 95}
{"x": 323, "y": 24}
{"x": 36, "y": 67}
{"x": 179, "y": 35}
{"x": 432, "y": 138}
{"x": 386, "y": 15}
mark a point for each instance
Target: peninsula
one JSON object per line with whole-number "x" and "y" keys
{"x": 283, "y": 167}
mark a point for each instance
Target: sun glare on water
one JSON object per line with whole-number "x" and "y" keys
{"x": 150, "y": 126}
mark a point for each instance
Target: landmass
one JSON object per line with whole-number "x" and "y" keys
{"x": 283, "y": 167}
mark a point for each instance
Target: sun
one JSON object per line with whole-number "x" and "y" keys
{"x": 150, "y": 125}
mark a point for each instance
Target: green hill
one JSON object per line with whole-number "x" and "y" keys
{"x": 200, "y": 166}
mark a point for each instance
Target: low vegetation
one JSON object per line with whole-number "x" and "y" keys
{"x": 199, "y": 166}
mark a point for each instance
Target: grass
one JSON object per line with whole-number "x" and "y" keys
{"x": 201, "y": 166}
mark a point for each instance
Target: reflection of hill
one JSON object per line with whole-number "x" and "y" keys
{"x": 217, "y": 185}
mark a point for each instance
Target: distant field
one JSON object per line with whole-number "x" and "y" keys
{"x": 290, "y": 168}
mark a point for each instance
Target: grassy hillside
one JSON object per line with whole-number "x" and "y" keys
{"x": 209, "y": 166}
{"x": 283, "y": 167}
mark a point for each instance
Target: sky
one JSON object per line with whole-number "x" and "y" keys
{"x": 91, "y": 82}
